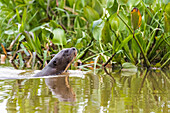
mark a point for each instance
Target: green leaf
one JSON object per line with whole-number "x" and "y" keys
{"x": 98, "y": 7}
{"x": 45, "y": 57}
{"x": 37, "y": 44}
{"x": 79, "y": 44}
{"x": 110, "y": 3}
{"x": 18, "y": 16}
{"x": 135, "y": 46}
{"x": 167, "y": 18}
{"x": 90, "y": 14}
{"x": 113, "y": 9}
{"x": 106, "y": 37}
{"x": 59, "y": 37}
{"x": 77, "y": 27}
{"x": 133, "y": 2}
{"x": 128, "y": 65}
{"x": 114, "y": 22}
{"x": 21, "y": 60}
{"x": 97, "y": 29}
{"x": 125, "y": 41}
{"x": 24, "y": 17}
{"x": 122, "y": 2}
{"x": 149, "y": 2}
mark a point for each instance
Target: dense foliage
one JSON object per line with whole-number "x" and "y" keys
{"x": 36, "y": 29}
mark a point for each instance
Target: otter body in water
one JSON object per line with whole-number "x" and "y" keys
{"x": 59, "y": 63}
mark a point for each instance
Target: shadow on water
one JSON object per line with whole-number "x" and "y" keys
{"x": 107, "y": 91}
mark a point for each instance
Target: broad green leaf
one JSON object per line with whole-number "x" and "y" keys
{"x": 128, "y": 65}
{"x": 135, "y": 18}
{"x": 135, "y": 46}
{"x": 133, "y": 2}
{"x": 59, "y": 37}
{"x": 79, "y": 44}
{"x": 96, "y": 23}
{"x": 149, "y": 2}
{"x": 122, "y": 2}
{"x": 90, "y": 14}
{"x": 106, "y": 37}
{"x": 114, "y": 22}
{"x": 97, "y": 29}
{"x": 113, "y": 9}
{"x": 98, "y": 7}
{"x": 79, "y": 4}
{"x": 110, "y": 3}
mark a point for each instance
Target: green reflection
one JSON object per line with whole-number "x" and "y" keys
{"x": 143, "y": 91}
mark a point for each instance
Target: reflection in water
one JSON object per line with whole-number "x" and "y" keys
{"x": 61, "y": 88}
{"x": 121, "y": 92}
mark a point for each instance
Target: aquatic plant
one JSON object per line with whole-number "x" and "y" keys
{"x": 103, "y": 31}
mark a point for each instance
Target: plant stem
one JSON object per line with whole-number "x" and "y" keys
{"x": 142, "y": 51}
{"x": 109, "y": 59}
{"x": 164, "y": 64}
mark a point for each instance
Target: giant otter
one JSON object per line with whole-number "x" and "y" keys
{"x": 59, "y": 63}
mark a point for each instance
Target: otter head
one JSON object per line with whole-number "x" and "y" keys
{"x": 63, "y": 59}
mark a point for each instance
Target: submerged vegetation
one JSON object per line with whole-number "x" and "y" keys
{"x": 134, "y": 31}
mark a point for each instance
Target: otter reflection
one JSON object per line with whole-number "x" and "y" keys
{"x": 60, "y": 88}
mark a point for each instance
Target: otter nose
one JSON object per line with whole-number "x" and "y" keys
{"x": 75, "y": 51}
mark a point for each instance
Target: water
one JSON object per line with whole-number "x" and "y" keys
{"x": 115, "y": 92}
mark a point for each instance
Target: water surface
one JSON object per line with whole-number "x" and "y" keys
{"x": 114, "y": 92}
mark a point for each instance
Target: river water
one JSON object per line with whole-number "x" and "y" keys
{"x": 85, "y": 92}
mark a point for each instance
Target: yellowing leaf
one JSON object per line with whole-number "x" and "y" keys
{"x": 136, "y": 18}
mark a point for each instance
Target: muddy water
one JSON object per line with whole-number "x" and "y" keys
{"x": 80, "y": 92}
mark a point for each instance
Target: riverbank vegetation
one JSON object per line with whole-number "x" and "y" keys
{"x": 133, "y": 32}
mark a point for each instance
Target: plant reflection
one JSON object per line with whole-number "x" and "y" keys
{"x": 144, "y": 91}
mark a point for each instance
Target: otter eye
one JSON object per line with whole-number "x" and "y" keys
{"x": 74, "y": 49}
{"x": 54, "y": 63}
